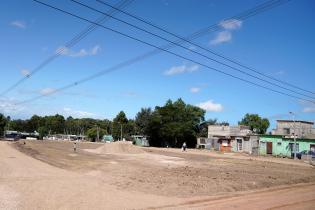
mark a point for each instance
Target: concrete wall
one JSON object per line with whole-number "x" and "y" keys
{"x": 221, "y": 130}
{"x": 301, "y": 129}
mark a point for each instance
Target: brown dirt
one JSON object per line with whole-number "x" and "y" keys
{"x": 158, "y": 178}
{"x": 116, "y": 147}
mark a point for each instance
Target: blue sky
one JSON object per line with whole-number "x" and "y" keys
{"x": 279, "y": 42}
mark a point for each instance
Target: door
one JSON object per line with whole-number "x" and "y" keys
{"x": 269, "y": 148}
{"x": 239, "y": 145}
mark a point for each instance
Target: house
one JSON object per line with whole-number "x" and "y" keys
{"x": 108, "y": 138}
{"x": 11, "y": 135}
{"x": 208, "y": 143}
{"x": 281, "y": 140}
{"x": 140, "y": 140}
{"x": 278, "y": 145}
{"x": 232, "y": 138}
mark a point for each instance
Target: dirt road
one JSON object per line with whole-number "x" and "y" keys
{"x": 48, "y": 175}
{"x": 27, "y": 183}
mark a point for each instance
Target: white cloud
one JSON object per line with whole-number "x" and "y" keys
{"x": 231, "y": 24}
{"x": 181, "y": 69}
{"x": 310, "y": 109}
{"x": 77, "y": 113}
{"x": 194, "y": 90}
{"x": 25, "y": 72}
{"x": 210, "y": 106}
{"x": 9, "y": 107}
{"x": 80, "y": 53}
{"x": 280, "y": 73}
{"x": 18, "y": 24}
{"x": 47, "y": 91}
{"x": 221, "y": 37}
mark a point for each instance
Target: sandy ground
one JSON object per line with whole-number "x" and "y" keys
{"x": 49, "y": 175}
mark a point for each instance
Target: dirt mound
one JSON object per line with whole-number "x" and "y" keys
{"x": 119, "y": 147}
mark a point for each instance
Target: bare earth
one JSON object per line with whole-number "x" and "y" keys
{"x": 49, "y": 175}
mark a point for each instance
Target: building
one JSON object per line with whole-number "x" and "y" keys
{"x": 281, "y": 141}
{"x": 67, "y": 137}
{"x": 278, "y": 145}
{"x": 16, "y": 135}
{"x": 232, "y": 138}
{"x": 140, "y": 140}
{"x": 302, "y": 129}
{"x": 208, "y": 143}
{"x": 108, "y": 138}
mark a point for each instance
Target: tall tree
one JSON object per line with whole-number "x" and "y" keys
{"x": 92, "y": 133}
{"x": 175, "y": 123}
{"x": 119, "y": 124}
{"x": 3, "y": 122}
{"x": 256, "y": 123}
{"x": 142, "y": 121}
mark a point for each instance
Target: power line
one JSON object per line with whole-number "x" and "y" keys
{"x": 77, "y": 38}
{"x": 201, "y": 47}
{"x": 141, "y": 57}
{"x": 191, "y": 50}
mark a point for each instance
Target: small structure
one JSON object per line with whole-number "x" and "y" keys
{"x": 140, "y": 140}
{"x": 108, "y": 138}
{"x": 231, "y": 138}
{"x": 11, "y": 135}
{"x": 207, "y": 143}
{"x": 16, "y": 135}
{"x": 67, "y": 137}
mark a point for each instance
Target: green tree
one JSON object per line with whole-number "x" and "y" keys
{"x": 33, "y": 123}
{"x": 3, "y": 122}
{"x": 18, "y": 125}
{"x": 92, "y": 133}
{"x": 175, "y": 123}
{"x": 119, "y": 122}
{"x": 55, "y": 124}
{"x": 256, "y": 123}
{"x": 142, "y": 121}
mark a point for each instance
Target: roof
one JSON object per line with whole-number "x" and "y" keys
{"x": 301, "y": 121}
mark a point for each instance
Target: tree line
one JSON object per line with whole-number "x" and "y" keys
{"x": 168, "y": 125}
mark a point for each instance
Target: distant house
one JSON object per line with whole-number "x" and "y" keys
{"x": 15, "y": 135}
{"x": 232, "y": 138}
{"x": 11, "y": 135}
{"x": 108, "y": 138}
{"x": 67, "y": 137}
{"x": 140, "y": 140}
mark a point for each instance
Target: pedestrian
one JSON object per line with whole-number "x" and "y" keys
{"x": 75, "y": 146}
{"x": 184, "y": 147}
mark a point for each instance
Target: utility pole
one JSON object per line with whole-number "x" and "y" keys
{"x": 121, "y": 134}
{"x": 97, "y": 133}
{"x": 293, "y": 115}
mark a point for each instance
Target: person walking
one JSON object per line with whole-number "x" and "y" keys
{"x": 184, "y": 147}
{"x": 75, "y": 146}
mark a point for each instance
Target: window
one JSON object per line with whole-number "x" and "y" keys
{"x": 279, "y": 143}
{"x": 291, "y": 146}
{"x": 286, "y": 130}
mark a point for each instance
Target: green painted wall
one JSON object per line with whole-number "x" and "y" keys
{"x": 281, "y": 147}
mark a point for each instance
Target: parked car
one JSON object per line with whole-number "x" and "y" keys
{"x": 305, "y": 153}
